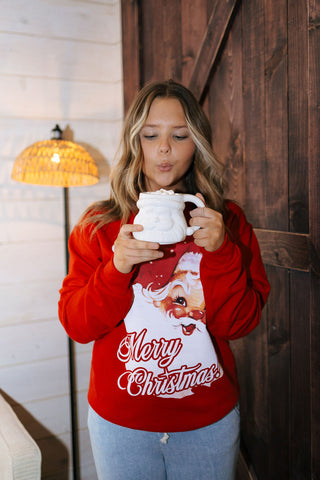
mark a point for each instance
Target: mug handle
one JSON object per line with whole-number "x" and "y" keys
{"x": 187, "y": 197}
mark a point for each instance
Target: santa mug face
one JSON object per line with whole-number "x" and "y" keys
{"x": 161, "y": 215}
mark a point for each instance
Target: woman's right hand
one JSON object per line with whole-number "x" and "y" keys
{"x": 128, "y": 251}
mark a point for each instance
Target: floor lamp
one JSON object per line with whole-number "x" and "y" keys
{"x": 65, "y": 164}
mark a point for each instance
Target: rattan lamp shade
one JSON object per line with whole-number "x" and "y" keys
{"x": 55, "y": 163}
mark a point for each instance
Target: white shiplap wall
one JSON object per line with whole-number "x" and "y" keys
{"x": 60, "y": 63}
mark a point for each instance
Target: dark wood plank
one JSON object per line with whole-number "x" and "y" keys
{"x": 254, "y": 358}
{"x": 284, "y": 249}
{"x": 130, "y": 50}
{"x": 298, "y": 114}
{"x": 251, "y": 354}
{"x": 193, "y": 24}
{"x": 149, "y": 23}
{"x": 243, "y": 472}
{"x": 314, "y": 189}
{"x": 161, "y": 40}
{"x": 279, "y": 387}
{"x": 254, "y": 110}
{"x": 276, "y": 115}
{"x": 314, "y": 121}
{"x": 226, "y": 112}
{"x": 315, "y": 374}
{"x": 300, "y": 376}
{"x": 213, "y": 37}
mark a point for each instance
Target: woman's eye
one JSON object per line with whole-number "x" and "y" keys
{"x": 180, "y": 137}
{"x": 149, "y": 137}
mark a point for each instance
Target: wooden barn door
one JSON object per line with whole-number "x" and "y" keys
{"x": 254, "y": 65}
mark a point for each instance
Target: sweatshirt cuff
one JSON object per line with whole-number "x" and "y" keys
{"x": 226, "y": 254}
{"x": 114, "y": 280}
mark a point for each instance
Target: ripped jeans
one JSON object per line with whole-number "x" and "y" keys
{"x": 208, "y": 453}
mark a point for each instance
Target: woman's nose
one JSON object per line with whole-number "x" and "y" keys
{"x": 164, "y": 146}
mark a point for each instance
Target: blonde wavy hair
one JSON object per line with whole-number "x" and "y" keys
{"x": 127, "y": 179}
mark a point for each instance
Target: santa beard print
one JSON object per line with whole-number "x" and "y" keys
{"x": 168, "y": 350}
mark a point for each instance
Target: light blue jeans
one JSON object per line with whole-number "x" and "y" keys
{"x": 208, "y": 453}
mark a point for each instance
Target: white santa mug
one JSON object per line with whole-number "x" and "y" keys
{"x": 161, "y": 215}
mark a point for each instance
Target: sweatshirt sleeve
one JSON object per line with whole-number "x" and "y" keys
{"x": 234, "y": 281}
{"x": 94, "y": 296}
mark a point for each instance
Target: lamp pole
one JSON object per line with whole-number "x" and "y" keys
{"x": 56, "y": 133}
{"x": 71, "y": 355}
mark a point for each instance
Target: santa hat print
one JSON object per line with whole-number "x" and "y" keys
{"x": 190, "y": 261}
{"x": 179, "y": 257}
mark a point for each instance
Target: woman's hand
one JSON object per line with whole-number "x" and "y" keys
{"x": 212, "y": 230}
{"x": 128, "y": 251}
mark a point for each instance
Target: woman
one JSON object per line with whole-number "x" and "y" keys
{"x": 163, "y": 388}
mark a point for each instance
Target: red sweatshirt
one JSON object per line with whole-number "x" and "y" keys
{"x": 161, "y": 359}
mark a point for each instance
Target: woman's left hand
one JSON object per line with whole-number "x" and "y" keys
{"x": 211, "y": 233}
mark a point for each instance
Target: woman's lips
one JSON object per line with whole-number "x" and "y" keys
{"x": 165, "y": 167}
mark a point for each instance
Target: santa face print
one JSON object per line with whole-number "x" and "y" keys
{"x": 168, "y": 351}
{"x": 167, "y": 146}
{"x": 182, "y": 302}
